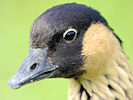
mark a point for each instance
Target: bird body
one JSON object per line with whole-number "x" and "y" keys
{"x": 74, "y": 41}
{"x": 108, "y": 76}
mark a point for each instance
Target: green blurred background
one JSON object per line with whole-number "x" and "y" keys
{"x": 16, "y": 17}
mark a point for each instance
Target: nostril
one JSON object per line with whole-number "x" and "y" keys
{"x": 33, "y": 66}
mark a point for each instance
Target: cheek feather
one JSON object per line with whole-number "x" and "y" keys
{"x": 99, "y": 44}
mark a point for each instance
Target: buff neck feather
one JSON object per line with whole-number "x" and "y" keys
{"x": 112, "y": 80}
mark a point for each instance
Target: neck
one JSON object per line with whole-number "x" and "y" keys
{"x": 115, "y": 84}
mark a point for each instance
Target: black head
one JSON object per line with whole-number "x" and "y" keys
{"x": 49, "y": 28}
{"x": 56, "y": 43}
{"x": 55, "y": 21}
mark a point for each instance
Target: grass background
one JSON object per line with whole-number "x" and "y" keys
{"x": 16, "y": 17}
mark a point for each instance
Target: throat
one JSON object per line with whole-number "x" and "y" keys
{"x": 115, "y": 84}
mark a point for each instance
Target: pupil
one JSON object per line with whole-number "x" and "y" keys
{"x": 70, "y": 35}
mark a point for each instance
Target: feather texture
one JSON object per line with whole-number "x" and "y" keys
{"x": 113, "y": 81}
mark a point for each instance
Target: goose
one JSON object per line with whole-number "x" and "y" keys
{"x": 74, "y": 41}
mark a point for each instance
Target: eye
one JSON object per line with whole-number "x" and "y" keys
{"x": 70, "y": 35}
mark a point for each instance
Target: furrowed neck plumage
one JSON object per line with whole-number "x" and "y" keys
{"x": 108, "y": 75}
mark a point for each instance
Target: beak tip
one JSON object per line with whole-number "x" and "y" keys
{"x": 13, "y": 83}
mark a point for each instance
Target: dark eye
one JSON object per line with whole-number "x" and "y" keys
{"x": 70, "y": 35}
